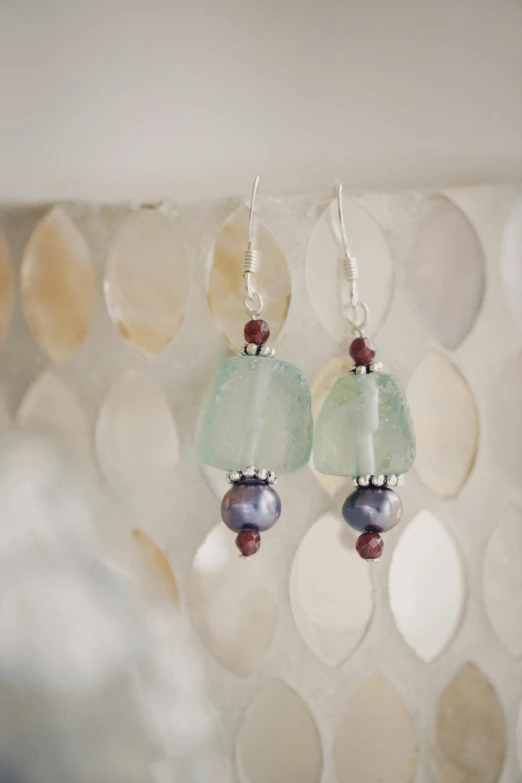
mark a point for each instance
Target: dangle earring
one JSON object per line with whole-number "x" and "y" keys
{"x": 256, "y": 421}
{"x": 364, "y": 429}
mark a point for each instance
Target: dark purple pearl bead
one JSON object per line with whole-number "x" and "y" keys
{"x": 252, "y": 504}
{"x": 375, "y": 509}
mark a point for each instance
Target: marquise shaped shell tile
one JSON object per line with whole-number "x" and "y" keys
{"x": 216, "y": 479}
{"x": 331, "y": 590}
{"x": 447, "y": 272}
{"x": 470, "y": 731}
{"x": 136, "y": 437}
{"x": 6, "y": 288}
{"x": 426, "y": 608}
{"x": 502, "y": 583}
{"x": 50, "y": 407}
{"x": 233, "y": 602}
{"x": 505, "y": 419}
{"x": 278, "y": 741}
{"x": 157, "y": 571}
{"x": 226, "y": 293}
{"x": 511, "y": 264}
{"x": 323, "y": 260}
{"x": 366, "y": 750}
{"x": 446, "y": 425}
{"x": 147, "y": 281}
{"x": 57, "y": 285}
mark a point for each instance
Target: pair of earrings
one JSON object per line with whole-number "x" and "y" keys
{"x": 258, "y": 412}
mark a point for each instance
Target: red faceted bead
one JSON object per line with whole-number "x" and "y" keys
{"x": 369, "y": 546}
{"x": 362, "y": 350}
{"x": 248, "y": 541}
{"x": 257, "y": 332}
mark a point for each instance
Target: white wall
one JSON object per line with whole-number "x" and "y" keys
{"x": 120, "y": 99}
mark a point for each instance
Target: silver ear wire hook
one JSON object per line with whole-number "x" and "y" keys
{"x": 354, "y": 312}
{"x": 252, "y": 210}
{"x": 253, "y": 300}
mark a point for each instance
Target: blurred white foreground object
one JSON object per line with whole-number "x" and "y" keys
{"x": 96, "y": 683}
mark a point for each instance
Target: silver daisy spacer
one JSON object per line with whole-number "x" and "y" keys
{"x": 265, "y": 350}
{"x": 400, "y": 481}
{"x": 364, "y": 481}
{"x": 250, "y": 472}
{"x": 271, "y": 477}
{"x": 251, "y": 349}
{"x": 378, "y": 481}
{"x": 262, "y": 474}
{"x": 235, "y": 476}
{"x": 361, "y": 369}
{"x": 376, "y": 367}
{"x": 391, "y": 481}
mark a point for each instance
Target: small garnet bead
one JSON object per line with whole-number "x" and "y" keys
{"x": 362, "y": 350}
{"x": 248, "y": 542}
{"x": 369, "y": 546}
{"x": 257, "y": 332}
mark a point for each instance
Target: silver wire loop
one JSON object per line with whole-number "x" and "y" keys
{"x": 253, "y": 300}
{"x": 355, "y": 314}
{"x": 354, "y": 311}
{"x": 254, "y": 304}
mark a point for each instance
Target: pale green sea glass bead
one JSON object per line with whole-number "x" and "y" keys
{"x": 258, "y": 412}
{"x": 365, "y": 427}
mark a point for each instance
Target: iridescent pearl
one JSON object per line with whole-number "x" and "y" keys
{"x": 251, "y": 504}
{"x": 375, "y": 509}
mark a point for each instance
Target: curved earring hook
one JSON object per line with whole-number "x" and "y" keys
{"x": 354, "y": 312}
{"x": 342, "y": 224}
{"x": 252, "y": 210}
{"x": 351, "y": 268}
{"x": 253, "y": 300}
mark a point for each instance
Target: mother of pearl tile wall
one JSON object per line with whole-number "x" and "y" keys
{"x": 322, "y": 667}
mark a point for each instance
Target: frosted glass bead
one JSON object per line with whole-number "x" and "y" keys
{"x": 365, "y": 427}
{"x": 258, "y": 412}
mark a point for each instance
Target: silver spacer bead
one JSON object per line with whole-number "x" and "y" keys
{"x": 235, "y": 476}
{"x": 364, "y": 481}
{"x": 262, "y": 474}
{"x": 376, "y": 367}
{"x": 400, "y": 481}
{"x": 251, "y": 349}
{"x": 378, "y": 481}
{"x": 361, "y": 369}
{"x": 391, "y": 481}
{"x": 271, "y": 477}
{"x": 265, "y": 351}
{"x": 250, "y": 472}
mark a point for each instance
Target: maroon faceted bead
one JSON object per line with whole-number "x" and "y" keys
{"x": 257, "y": 332}
{"x": 369, "y": 546}
{"x": 362, "y": 350}
{"x": 248, "y": 541}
